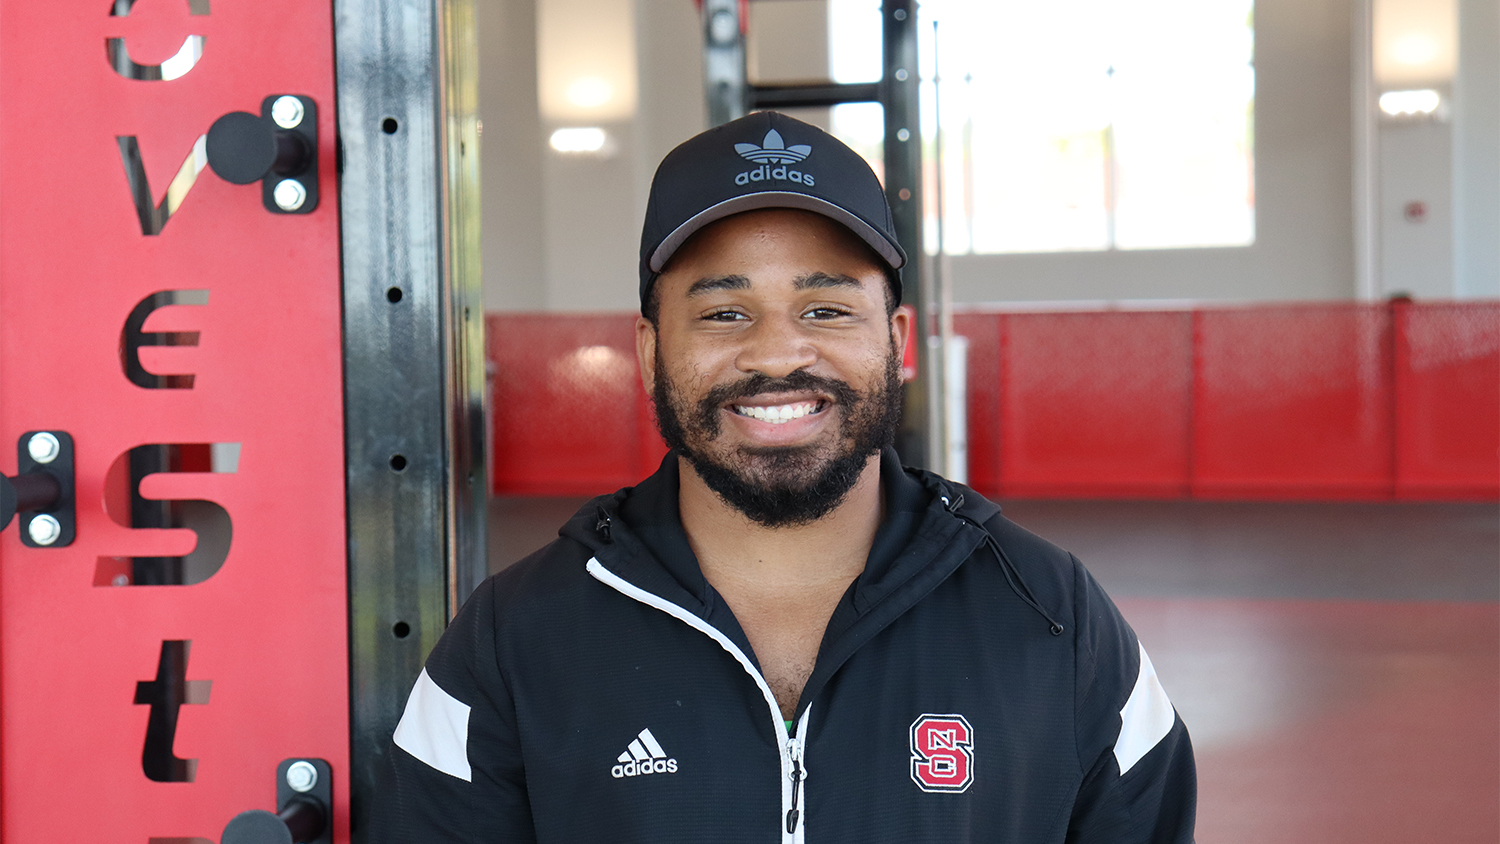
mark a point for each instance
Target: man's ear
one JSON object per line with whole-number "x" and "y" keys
{"x": 645, "y": 353}
{"x": 902, "y": 320}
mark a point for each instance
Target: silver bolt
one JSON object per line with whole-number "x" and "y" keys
{"x": 43, "y": 447}
{"x": 901, "y": 74}
{"x": 289, "y": 194}
{"x": 900, "y": 14}
{"x": 287, "y": 112}
{"x": 302, "y": 776}
{"x": 44, "y": 529}
{"x": 722, "y": 27}
{"x": 903, "y": 135}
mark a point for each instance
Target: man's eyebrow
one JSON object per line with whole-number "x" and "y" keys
{"x": 817, "y": 280}
{"x": 722, "y": 282}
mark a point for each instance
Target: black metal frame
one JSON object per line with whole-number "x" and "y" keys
{"x": 413, "y": 350}
{"x": 730, "y": 94}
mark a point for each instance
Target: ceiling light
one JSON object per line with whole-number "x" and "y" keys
{"x": 1402, "y": 103}
{"x": 584, "y": 139}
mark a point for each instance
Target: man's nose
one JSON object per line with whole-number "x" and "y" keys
{"x": 776, "y": 347}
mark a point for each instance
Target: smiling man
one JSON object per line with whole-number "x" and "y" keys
{"x": 783, "y": 634}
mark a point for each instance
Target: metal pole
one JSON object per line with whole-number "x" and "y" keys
{"x": 1111, "y": 178}
{"x": 724, "y": 82}
{"x": 413, "y": 376}
{"x": 942, "y": 300}
{"x": 903, "y": 187}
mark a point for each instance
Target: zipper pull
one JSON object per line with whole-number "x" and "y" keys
{"x": 794, "y": 750}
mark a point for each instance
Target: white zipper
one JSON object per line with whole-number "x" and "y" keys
{"x": 793, "y": 771}
{"x": 795, "y": 768}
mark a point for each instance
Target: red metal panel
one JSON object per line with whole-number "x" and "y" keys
{"x": 983, "y": 382}
{"x": 268, "y": 630}
{"x": 571, "y": 416}
{"x": 1095, "y": 404}
{"x": 1448, "y": 400}
{"x": 1293, "y": 402}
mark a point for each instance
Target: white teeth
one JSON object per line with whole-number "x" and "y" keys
{"x": 780, "y": 413}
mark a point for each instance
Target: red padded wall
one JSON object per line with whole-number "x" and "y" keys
{"x": 1293, "y": 402}
{"x": 1094, "y": 404}
{"x": 570, "y": 415}
{"x": 1314, "y": 401}
{"x": 983, "y": 331}
{"x": 1447, "y": 416}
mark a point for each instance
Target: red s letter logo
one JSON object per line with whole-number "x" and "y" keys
{"x": 942, "y": 753}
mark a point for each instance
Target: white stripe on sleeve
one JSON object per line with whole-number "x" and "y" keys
{"x": 1146, "y": 718}
{"x": 435, "y": 729}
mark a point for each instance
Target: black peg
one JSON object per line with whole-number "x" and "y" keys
{"x": 301, "y": 820}
{"x": 304, "y": 793}
{"x": 244, "y": 148}
{"x": 278, "y": 148}
{"x": 41, "y": 491}
{"x": 31, "y": 491}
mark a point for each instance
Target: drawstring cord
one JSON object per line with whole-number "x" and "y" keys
{"x": 1012, "y": 574}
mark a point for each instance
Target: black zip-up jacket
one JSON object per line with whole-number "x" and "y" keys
{"x": 974, "y": 684}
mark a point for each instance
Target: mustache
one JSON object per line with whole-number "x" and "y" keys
{"x": 754, "y": 385}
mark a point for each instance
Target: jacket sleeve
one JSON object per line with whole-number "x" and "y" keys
{"x": 1140, "y": 782}
{"x": 453, "y": 772}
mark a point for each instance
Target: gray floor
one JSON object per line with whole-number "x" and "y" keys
{"x": 1184, "y": 549}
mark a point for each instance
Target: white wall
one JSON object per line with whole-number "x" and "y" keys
{"x": 562, "y": 231}
{"x": 1416, "y": 165}
{"x": 510, "y": 149}
{"x": 1476, "y": 151}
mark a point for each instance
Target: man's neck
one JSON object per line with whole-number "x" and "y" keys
{"x": 738, "y": 554}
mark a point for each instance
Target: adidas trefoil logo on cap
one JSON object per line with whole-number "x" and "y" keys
{"x": 643, "y": 756}
{"x": 773, "y": 151}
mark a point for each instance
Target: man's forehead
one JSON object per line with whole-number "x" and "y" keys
{"x": 806, "y": 281}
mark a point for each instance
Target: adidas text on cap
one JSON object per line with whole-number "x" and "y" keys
{"x": 763, "y": 160}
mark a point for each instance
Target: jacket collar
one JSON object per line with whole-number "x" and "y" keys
{"x": 926, "y": 534}
{"x": 637, "y": 533}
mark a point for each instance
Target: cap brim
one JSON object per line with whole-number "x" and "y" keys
{"x": 776, "y": 199}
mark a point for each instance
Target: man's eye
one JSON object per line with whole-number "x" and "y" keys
{"x": 827, "y": 313}
{"x": 724, "y": 316}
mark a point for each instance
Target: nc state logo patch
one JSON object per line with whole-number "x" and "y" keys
{"x": 942, "y": 753}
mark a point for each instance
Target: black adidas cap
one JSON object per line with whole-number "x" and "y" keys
{"x": 763, "y": 160}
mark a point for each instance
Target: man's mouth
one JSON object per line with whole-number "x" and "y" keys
{"x": 779, "y": 414}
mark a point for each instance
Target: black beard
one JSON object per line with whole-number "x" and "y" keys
{"x": 791, "y": 485}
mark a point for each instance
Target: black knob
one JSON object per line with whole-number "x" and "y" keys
{"x": 31, "y": 491}
{"x": 301, "y": 820}
{"x": 243, "y": 148}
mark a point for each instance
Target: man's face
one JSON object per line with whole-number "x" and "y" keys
{"x": 773, "y": 364}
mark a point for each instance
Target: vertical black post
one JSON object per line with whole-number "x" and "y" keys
{"x": 413, "y": 346}
{"x": 903, "y": 189}
{"x": 724, "y": 82}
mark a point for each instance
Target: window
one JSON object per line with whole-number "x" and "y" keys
{"x": 1072, "y": 124}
